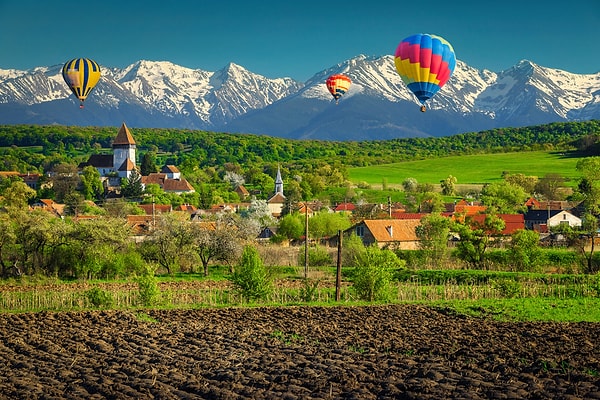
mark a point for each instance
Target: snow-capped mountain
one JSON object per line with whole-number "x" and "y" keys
{"x": 233, "y": 99}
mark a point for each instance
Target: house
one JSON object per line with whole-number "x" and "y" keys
{"x": 405, "y": 215}
{"x": 534, "y": 219}
{"x": 167, "y": 184}
{"x": 30, "y": 180}
{"x": 399, "y": 233}
{"x": 50, "y": 206}
{"x": 171, "y": 171}
{"x": 344, "y": 207}
{"x": 564, "y": 218}
{"x": 242, "y": 192}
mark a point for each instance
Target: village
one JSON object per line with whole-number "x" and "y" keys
{"x": 387, "y": 225}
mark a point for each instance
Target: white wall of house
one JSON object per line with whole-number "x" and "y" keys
{"x": 564, "y": 217}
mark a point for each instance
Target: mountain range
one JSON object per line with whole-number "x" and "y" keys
{"x": 378, "y": 106}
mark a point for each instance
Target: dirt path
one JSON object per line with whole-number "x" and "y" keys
{"x": 378, "y": 352}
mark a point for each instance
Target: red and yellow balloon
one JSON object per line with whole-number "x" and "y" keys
{"x": 81, "y": 75}
{"x": 338, "y": 85}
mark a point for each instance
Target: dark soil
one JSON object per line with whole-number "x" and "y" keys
{"x": 377, "y": 352}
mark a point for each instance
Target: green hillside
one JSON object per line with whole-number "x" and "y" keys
{"x": 470, "y": 169}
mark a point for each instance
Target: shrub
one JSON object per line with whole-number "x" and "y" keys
{"x": 308, "y": 292}
{"x": 352, "y": 249}
{"x": 99, "y": 298}
{"x": 317, "y": 257}
{"x": 251, "y": 278}
{"x": 373, "y": 275}
{"x": 508, "y": 288}
{"x": 148, "y": 290}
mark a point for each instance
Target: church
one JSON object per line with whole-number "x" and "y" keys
{"x": 121, "y": 164}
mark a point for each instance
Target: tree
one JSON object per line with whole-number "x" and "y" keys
{"x": 259, "y": 211}
{"x": 132, "y": 186}
{"x": 291, "y": 226}
{"x": 17, "y": 195}
{"x": 148, "y": 164}
{"x": 325, "y": 224}
{"x": 215, "y": 240}
{"x": 410, "y": 185}
{"x": 589, "y": 188}
{"x": 92, "y": 188}
{"x": 7, "y": 243}
{"x": 474, "y": 238}
{"x": 433, "y": 233}
{"x": 234, "y": 179}
{"x": 352, "y": 250}
{"x": 504, "y": 197}
{"x": 549, "y": 186}
{"x": 448, "y": 185}
{"x": 251, "y": 278}
{"x": 524, "y": 251}
{"x": 65, "y": 180}
{"x": 170, "y": 243}
{"x": 528, "y": 183}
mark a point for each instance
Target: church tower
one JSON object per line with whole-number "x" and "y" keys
{"x": 278, "y": 182}
{"x": 124, "y": 152}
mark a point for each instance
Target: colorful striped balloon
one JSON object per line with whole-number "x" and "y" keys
{"x": 81, "y": 75}
{"x": 425, "y": 63}
{"x": 338, "y": 85}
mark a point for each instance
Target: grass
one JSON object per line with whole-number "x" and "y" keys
{"x": 528, "y": 309}
{"x": 469, "y": 169}
{"x": 497, "y": 295}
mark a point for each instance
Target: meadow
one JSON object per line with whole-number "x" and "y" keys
{"x": 470, "y": 169}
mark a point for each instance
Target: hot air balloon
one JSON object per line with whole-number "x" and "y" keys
{"x": 425, "y": 63}
{"x": 338, "y": 85}
{"x": 81, "y": 75}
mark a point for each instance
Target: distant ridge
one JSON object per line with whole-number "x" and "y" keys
{"x": 377, "y": 106}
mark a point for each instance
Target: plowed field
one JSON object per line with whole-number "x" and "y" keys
{"x": 371, "y": 352}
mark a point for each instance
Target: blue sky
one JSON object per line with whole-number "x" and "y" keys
{"x": 295, "y": 38}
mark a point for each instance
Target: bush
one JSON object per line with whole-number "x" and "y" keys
{"x": 352, "y": 249}
{"x": 317, "y": 257}
{"x": 373, "y": 276}
{"x": 148, "y": 290}
{"x": 99, "y": 298}
{"x": 251, "y": 278}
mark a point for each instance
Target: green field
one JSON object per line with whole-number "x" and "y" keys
{"x": 470, "y": 169}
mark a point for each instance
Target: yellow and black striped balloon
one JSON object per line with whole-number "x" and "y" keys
{"x": 81, "y": 75}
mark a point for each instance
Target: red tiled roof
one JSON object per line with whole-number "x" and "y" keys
{"x": 345, "y": 207}
{"x": 512, "y": 222}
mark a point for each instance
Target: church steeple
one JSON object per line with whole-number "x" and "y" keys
{"x": 123, "y": 152}
{"x": 278, "y": 182}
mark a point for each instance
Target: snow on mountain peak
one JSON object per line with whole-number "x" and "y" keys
{"x": 166, "y": 94}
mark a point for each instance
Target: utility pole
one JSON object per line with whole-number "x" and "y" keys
{"x": 338, "y": 276}
{"x": 305, "y": 240}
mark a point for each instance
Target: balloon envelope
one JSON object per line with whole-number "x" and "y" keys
{"x": 338, "y": 85}
{"x": 425, "y": 63}
{"x": 81, "y": 75}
